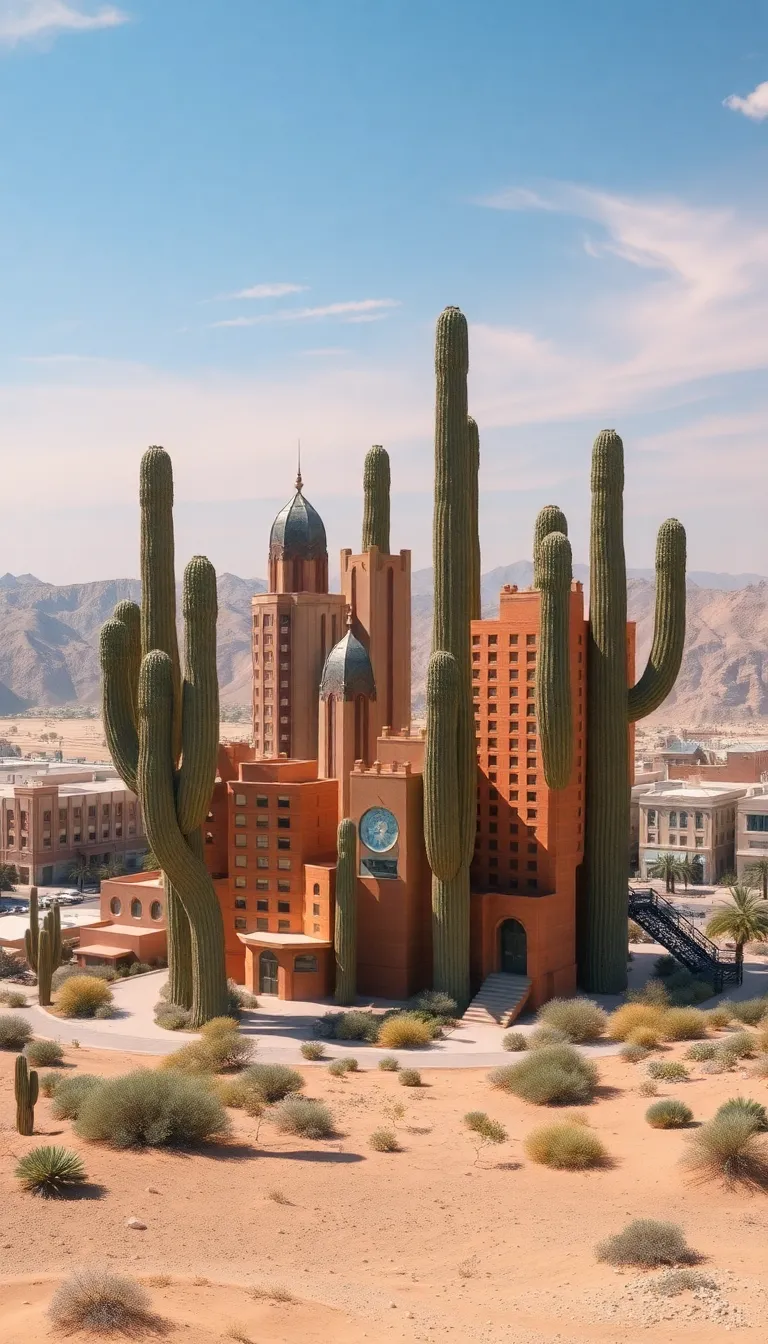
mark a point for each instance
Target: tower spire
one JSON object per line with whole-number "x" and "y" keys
{"x": 299, "y": 481}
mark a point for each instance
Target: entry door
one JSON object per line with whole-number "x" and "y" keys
{"x": 267, "y": 973}
{"x": 513, "y": 949}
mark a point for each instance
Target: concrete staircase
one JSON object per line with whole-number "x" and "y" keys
{"x": 500, "y": 1000}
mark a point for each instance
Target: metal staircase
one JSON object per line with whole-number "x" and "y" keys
{"x": 678, "y": 935}
{"x": 500, "y": 999}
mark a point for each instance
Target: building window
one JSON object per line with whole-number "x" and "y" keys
{"x": 283, "y": 843}
{"x": 699, "y": 816}
{"x": 673, "y": 820}
{"x": 262, "y": 800}
{"x": 262, "y": 925}
{"x": 262, "y": 884}
{"x": 262, "y": 905}
{"x": 284, "y": 864}
{"x": 241, "y": 903}
{"x": 135, "y": 909}
{"x": 283, "y": 925}
{"x": 315, "y": 909}
{"x": 240, "y": 923}
{"x": 756, "y": 821}
{"x": 155, "y": 910}
{"x": 283, "y": 884}
{"x": 651, "y": 816}
{"x": 673, "y": 839}
{"x": 262, "y": 842}
{"x": 683, "y": 820}
{"x": 241, "y": 860}
{"x": 239, "y": 881}
{"x": 115, "y": 905}
{"x": 240, "y": 819}
{"x": 241, "y": 841}
{"x": 283, "y": 800}
{"x": 283, "y": 907}
{"x": 262, "y": 862}
{"x": 305, "y": 962}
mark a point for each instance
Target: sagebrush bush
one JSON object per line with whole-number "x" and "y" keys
{"x": 760, "y": 1069}
{"x": 48, "y": 1082}
{"x": 221, "y": 1050}
{"x": 339, "y": 1068}
{"x": 384, "y": 1141}
{"x": 437, "y": 1003}
{"x": 107, "y": 1010}
{"x": 70, "y": 1093}
{"x": 234, "y": 1091}
{"x": 568, "y": 1145}
{"x": 729, "y": 1148}
{"x": 739, "y": 1045}
{"x": 556, "y": 1075}
{"x": 654, "y": 994}
{"x": 404, "y": 1032}
{"x": 701, "y": 1051}
{"x": 693, "y": 992}
{"x": 484, "y": 1128}
{"x": 73, "y": 971}
{"x": 149, "y": 1108}
{"x": 410, "y": 1077}
{"x": 389, "y": 1064}
{"x": 648, "y": 1088}
{"x": 355, "y": 1025}
{"x": 171, "y": 1017}
{"x": 669, "y": 1114}
{"x": 49, "y": 1170}
{"x": 99, "y": 1301}
{"x": 648, "y": 1037}
{"x": 667, "y": 1070}
{"x": 81, "y": 995}
{"x": 514, "y": 1041}
{"x": 630, "y": 1016}
{"x": 13, "y": 998}
{"x": 544, "y": 1036}
{"x": 304, "y": 1117}
{"x": 578, "y": 1019}
{"x": 720, "y": 1016}
{"x": 750, "y": 1011}
{"x": 44, "y": 1054}
{"x": 633, "y": 1053}
{"x": 677, "y": 1281}
{"x": 15, "y": 1032}
{"x": 684, "y": 1024}
{"x": 745, "y": 1106}
{"x": 646, "y": 1243}
{"x": 313, "y": 1049}
{"x": 272, "y": 1082}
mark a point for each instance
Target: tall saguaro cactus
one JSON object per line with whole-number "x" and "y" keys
{"x": 25, "y": 1089}
{"x": 553, "y": 571}
{"x": 611, "y": 706}
{"x": 44, "y": 968}
{"x": 345, "y": 928}
{"x": 32, "y": 934}
{"x": 473, "y": 441}
{"x": 43, "y": 947}
{"x": 376, "y": 484}
{"x": 454, "y": 531}
{"x": 162, "y": 732}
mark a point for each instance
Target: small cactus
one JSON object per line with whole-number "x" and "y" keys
{"x": 376, "y": 480}
{"x": 26, "y": 1091}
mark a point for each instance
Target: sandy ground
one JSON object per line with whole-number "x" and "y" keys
{"x": 424, "y": 1244}
{"x": 80, "y": 737}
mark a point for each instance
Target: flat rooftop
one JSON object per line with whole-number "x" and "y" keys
{"x": 13, "y": 927}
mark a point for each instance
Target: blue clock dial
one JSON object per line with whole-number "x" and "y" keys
{"x": 378, "y": 829}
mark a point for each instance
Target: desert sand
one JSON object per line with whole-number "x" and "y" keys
{"x": 425, "y": 1244}
{"x": 80, "y": 738}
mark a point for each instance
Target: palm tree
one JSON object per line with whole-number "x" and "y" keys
{"x": 687, "y": 869}
{"x": 756, "y": 874}
{"x": 668, "y": 867}
{"x": 744, "y": 921}
{"x": 149, "y": 862}
{"x": 114, "y": 867}
{"x": 79, "y": 871}
{"x": 8, "y": 877}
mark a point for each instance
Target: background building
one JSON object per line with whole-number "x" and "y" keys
{"x": 752, "y": 827}
{"x": 696, "y": 819}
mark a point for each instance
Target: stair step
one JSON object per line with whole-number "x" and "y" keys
{"x": 499, "y": 999}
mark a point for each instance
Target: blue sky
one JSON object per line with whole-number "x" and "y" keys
{"x": 228, "y": 224}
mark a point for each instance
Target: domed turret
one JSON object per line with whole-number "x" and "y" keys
{"x": 298, "y": 549}
{"x": 348, "y": 672}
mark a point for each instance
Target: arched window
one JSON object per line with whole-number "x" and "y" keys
{"x": 305, "y": 962}
{"x": 115, "y": 905}
{"x": 156, "y": 910}
{"x": 135, "y": 909}
{"x": 316, "y": 889}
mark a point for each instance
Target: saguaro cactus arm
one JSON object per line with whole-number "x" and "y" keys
{"x": 32, "y": 934}
{"x": 345, "y": 928}
{"x": 44, "y": 967}
{"x": 200, "y": 720}
{"x": 376, "y": 485}
{"x": 549, "y": 519}
{"x": 118, "y": 699}
{"x": 441, "y": 792}
{"x": 158, "y": 573}
{"x": 553, "y": 679}
{"x": 668, "y": 625}
{"x": 473, "y": 449}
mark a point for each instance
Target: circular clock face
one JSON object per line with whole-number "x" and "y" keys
{"x": 378, "y": 829}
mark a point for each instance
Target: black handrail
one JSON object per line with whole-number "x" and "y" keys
{"x": 639, "y": 900}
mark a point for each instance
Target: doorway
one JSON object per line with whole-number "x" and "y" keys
{"x": 267, "y": 973}
{"x": 513, "y": 948}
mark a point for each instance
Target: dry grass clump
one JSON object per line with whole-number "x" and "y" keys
{"x": 70, "y": 1093}
{"x": 729, "y": 1148}
{"x": 312, "y": 1050}
{"x": 221, "y": 1048}
{"x": 409, "y": 1077}
{"x": 404, "y": 1032}
{"x": 514, "y": 1041}
{"x": 148, "y": 1108}
{"x": 275, "y": 1293}
{"x": 578, "y": 1019}
{"x": 13, "y": 998}
{"x": 485, "y": 1130}
{"x": 272, "y": 1082}
{"x": 300, "y": 1115}
{"x": 749, "y": 1011}
{"x": 677, "y": 1281}
{"x": 627, "y": 1019}
{"x": 44, "y": 1054}
{"x": 667, "y": 1070}
{"x": 684, "y": 1024}
{"x": 719, "y": 1017}
{"x": 568, "y": 1145}
{"x": 701, "y": 1051}
{"x": 82, "y": 995}
{"x": 633, "y": 1053}
{"x": 15, "y": 1032}
{"x": 646, "y": 1243}
{"x": 546, "y": 1035}
{"x": 48, "y": 1170}
{"x": 556, "y": 1075}
{"x": 669, "y": 1114}
{"x": 389, "y": 1064}
{"x": 648, "y": 1037}
{"x": 745, "y": 1106}
{"x": 100, "y": 1301}
{"x": 384, "y": 1141}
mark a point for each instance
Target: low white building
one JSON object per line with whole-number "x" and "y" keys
{"x": 752, "y": 827}
{"x": 678, "y": 817}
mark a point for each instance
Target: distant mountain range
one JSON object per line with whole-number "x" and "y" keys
{"x": 49, "y": 639}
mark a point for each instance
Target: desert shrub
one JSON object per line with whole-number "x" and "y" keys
{"x": 720, "y": 1016}
{"x": 404, "y": 1032}
{"x": 384, "y": 1141}
{"x": 172, "y": 1018}
{"x": 106, "y": 1011}
{"x": 306, "y": 1118}
{"x": 82, "y": 995}
{"x": 630, "y": 1016}
{"x": 648, "y": 1037}
{"x": 240, "y": 998}
{"x": 544, "y": 1036}
{"x": 760, "y": 1069}
{"x": 313, "y": 1050}
{"x": 217, "y": 1052}
{"x": 669, "y": 1114}
{"x": 683, "y": 1024}
{"x": 745, "y": 1106}
{"x": 665, "y": 966}
{"x": 70, "y": 1093}
{"x": 569, "y": 1145}
{"x": 667, "y": 1070}
{"x": 13, "y": 998}
{"x": 678, "y": 978}
{"x": 99, "y": 1301}
{"x": 653, "y": 994}
{"x": 389, "y": 1064}
{"x": 151, "y": 1108}
{"x": 272, "y": 1082}
{"x": 437, "y": 1004}
{"x": 48, "y": 1082}
{"x": 354, "y": 1025}
{"x": 44, "y": 1054}
{"x": 195, "y": 1059}
{"x": 701, "y": 1051}
{"x": 556, "y": 1075}
{"x": 632, "y": 1052}
{"x": 139, "y": 968}
{"x": 48, "y": 1170}
{"x": 514, "y": 1041}
{"x": 696, "y": 991}
{"x": 749, "y": 1011}
{"x": 579, "y": 1019}
{"x": 15, "y": 1032}
{"x": 647, "y": 1244}
{"x": 73, "y": 971}
{"x": 729, "y": 1148}
{"x": 739, "y": 1045}
{"x": 234, "y": 1091}
{"x": 677, "y": 1281}
{"x": 218, "y": 1026}
{"x": 648, "y": 1088}
{"x": 410, "y": 1077}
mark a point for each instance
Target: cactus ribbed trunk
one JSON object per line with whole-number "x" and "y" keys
{"x": 454, "y": 530}
{"x": 345, "y": 928}
{"x": 32, "y": 934}
{"x": 44, "y": 968}
{"x": 179, "y": 948}
{"x": 473, "y": 444}
{"x": 549, "y": 519}
{"x": 553, "y": 680}
{"x": 376, "y": 483}
{"x": 26, "y": 1092}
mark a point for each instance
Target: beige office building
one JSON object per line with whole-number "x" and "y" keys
{"x": 694, "y": 819}
{"x": 752, "y": 827}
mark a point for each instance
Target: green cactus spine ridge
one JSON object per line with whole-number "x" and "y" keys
{"x": 45, "y": 968}
{"x": 473, "y": 440}
{"x": 345, "y": 926}
{"x": 610, "y": 708}
{"x": 441, "y": 812}
{"x": 25, "y": 1087}
{"x": 553, "y": 679}
{"x": 376, "y": 487}
{"x": 549, "y": 519}
{"x": 32, "y": 934}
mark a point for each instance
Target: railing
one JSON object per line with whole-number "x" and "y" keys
{"x": 663, "y": 914}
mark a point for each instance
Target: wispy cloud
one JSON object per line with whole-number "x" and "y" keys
{"x": 754, "y": 106}
{"x": 355, "y": 310}
{"x": 30, "y": 20}
{"x": 268, "y": 291}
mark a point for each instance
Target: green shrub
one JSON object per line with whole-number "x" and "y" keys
{"x": 13, "y": 998}
{"x": 667, "y": 1070}
{"x": 745, "y": 1106}
{"x": 313, "y": 1049}
{"x": 234, "y": 1091}
{"x": 544, "y": 1036}
{"x": 44, "y": 1054}
{"x": 404, "y": 1031}
{"x": 633, "y": 1052}
{"x": 578, "y": 1019}
{"x": 107, "y": 1010}
{"x": 646, "y": 1243}
{"x": 514, "y": 1041}
{"x": 389, "y": 1064}
{"x": 653, "y": 994}
{"x": 48, "y": 1170}
{"x": 240, "y": 998}
{"x": 98, "y": 1301}
{"x": 749, "y": 1011}
{"x": 48, "y": 1082}
{"x": 683, "y": 1024}
{"x": 306, "y": 1118}
{"x": 729, "y": 1148}
{"x": 73, "y": 971}
{"x": 665, "y": 966}
{"x": 437, "y": 1004}
{"x": 701, "y": 1051}
{"x": 739, "y": 1045}
{"x": 354, "y": 1025}
{"x": 485, "y": 1130}
{"x": 648, "y": 1037}
{"x": 669, "y": 1114}
{"x": 70, "y": 1093}
{"x": 81, "y": 995}
{"x": 555, "y": 1075}
{"x": 339, "y": 1068}
{"x": 720, "y": 1016}
{"x": 568, "y": 1145}
{"x": 171, "y": 1017}
{"x": 148, "y": 1108}
{"x": 220, "y": 1050}
{"x": 384, "y": 1141}
{"x": 272, "y": 1082}
{"x": 648, "y": 1088}
{"x": 693, "y": 992}
{"x": 410, "y": 1077}
{"x": 15, "y": 1032}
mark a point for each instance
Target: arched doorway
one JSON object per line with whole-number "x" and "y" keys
{"x": 267, "y": 972}
{"x": 513, "y": 948}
